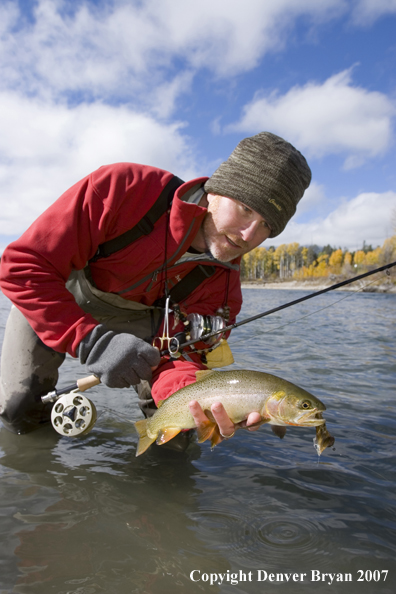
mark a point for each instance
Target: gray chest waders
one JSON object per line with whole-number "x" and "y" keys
{"x": 113, "y": 311}
{"x": 29, "y": 368}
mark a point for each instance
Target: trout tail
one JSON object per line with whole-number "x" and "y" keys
{"x": 144, "y": 440}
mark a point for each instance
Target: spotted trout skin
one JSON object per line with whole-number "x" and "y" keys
{"x": 278, "y": 401}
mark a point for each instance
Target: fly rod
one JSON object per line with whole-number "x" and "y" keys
{"x": 280, "y": 307}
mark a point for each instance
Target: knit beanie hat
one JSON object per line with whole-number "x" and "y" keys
{"x": 267, "y": 174}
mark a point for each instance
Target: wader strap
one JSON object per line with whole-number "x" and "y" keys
{"x": 188, "y": 284}
{"x": 145, "y": 225}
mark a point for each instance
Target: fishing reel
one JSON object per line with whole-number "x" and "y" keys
{"x": 200, "y": 325}
{"x": 73, "y": 415}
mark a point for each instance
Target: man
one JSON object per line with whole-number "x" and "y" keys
{"x": 83, "y": 283}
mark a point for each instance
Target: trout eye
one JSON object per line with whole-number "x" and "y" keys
{"x": 306, "y": 404}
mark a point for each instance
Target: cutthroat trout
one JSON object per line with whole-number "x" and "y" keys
{"x": 241, "y": 392}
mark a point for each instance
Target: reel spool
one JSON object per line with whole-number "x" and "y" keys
{"x": 200, "y": 325}
{"x": 73, "y": 415}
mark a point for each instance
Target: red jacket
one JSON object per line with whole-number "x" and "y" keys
{"x": 98, "y": 208}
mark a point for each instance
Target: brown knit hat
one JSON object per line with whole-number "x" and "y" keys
{"x": 267, "y": 174}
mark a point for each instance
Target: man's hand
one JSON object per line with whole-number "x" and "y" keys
{"x": 118, "y": 360}
{"x": 226, "y": 427}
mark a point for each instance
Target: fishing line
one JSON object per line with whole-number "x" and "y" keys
{"x": 114, "y": 414}
{"x": 246, "y": 339}
{"x": 373, "y": 471}
{"x": 279, "y": 308}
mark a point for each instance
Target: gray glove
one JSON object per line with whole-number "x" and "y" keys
{"x": 119, "y": 360}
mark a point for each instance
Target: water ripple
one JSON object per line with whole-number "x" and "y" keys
{"x": 250, "y": 540}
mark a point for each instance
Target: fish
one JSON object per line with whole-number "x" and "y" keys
{"x": 278, "y": 401}
{"x": 323, "y": 439}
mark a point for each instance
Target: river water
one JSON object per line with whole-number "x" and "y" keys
{"x": 85, "y": 516}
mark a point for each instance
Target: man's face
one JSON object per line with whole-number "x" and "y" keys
{"x": 231, "y": 229}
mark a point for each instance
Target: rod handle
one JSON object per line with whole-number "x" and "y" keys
{"x": 85, "y": 383}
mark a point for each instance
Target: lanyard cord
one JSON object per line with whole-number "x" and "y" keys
{"x": 227, "y": 288}
{"x": 164, "y": 272}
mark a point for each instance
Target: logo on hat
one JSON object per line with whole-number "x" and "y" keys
{"x": 273, "y": 201}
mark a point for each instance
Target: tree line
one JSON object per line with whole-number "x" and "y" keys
{"x": 293, "y": 261}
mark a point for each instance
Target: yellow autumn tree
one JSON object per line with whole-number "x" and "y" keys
{"x": 321, "y": 268}
{"x": 280, "y": 260}
{"x": 347, "y": 267}
{"x": 359, "y": 258}
{"x": 335, "y": 261}
{"x": 255, "y": 263}
{"x": 268, "y": 262}
{"x": 304, "y": 256}
{"x": 388, "y": 251}
{"x": 292, "y": 256}
{"x": 373, "y": 258}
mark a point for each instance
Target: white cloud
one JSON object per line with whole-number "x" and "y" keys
{"x": 45, "y": 148}
{"x": 121, "y": 48}
{"x": 365, "y": 12}
{"x": 314, "y": 197}
{"x": 367, "y": 217}
{"x": 163, "y": 99}
{"x": 322, "y": 119}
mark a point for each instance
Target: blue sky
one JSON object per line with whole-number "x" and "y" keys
{"x": 177, "y": 84}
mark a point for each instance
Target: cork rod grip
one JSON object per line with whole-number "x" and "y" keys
{"x": 87, "y": 382}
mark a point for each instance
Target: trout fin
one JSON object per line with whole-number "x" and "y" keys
{"x": 216, "y": 437}
{"x": 205, "y": 430}
{"x": 166, "y": 434}
{"x": 144, "y": 440}
{"x": 202, "y": 373}
{"x": 279, "y": 430}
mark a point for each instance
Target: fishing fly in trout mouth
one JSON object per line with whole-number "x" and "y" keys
{"x": 323, "y": 439}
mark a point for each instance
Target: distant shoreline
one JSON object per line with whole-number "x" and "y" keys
{"x": 318, "y": 285}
